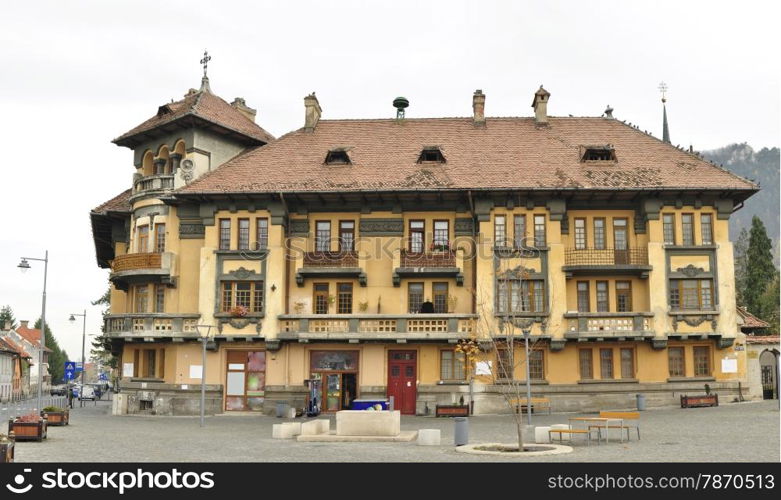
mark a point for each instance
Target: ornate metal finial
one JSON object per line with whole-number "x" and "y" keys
{"x": 205, "y": 61}
{"x": 663, "y": 89}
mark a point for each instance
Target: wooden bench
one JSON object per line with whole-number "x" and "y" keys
{"x": 561, "y": 432}
{"x": 536, "y": 403}
{"x": 632, "y": 416}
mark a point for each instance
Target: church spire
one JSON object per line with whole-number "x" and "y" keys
{"x": 665, "y": 128}
{"x": 205, "y": 80}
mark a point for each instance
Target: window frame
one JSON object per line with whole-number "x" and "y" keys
{"x": 536, "y": 364}
{"x": 668, "y": 228}
{"x": 316, "y": 305}
{"x": 677, "y": 288}
{"x": 604, "y": 304}
{"x": 632, "y": 374}
{"x": 224, "y": 234}
{"x": 500, "y": 237}
{"x": 681, "y": 362}
{"x": 322, "y": 245}
{"x": 261, "y": 232}
{"x": 624, "y": 292}
{"x": 342, "y": 297}
{"x": 586, "y": 363}
{"x": 410, "y": 295}
{"x": 440, "y": 293}
{"x": 706, "y": 237}
{"x": 540, "y": 231}
{"x": 687, "y": 235}
{"x": 581, "y": 238}
{"x": 421, "y": 231}
{"x": 436, "y": 240}
{"x": 606, "y": 364}
{"x": 160, "y": 237}
{"x": 519, "y": 239}
{"x": 244, "y": 233}
{"x": 253, "y": 297}
{"x": 142, "y": 246}
{"x": 698, "y": 358}
{"x": 501, "y": 367}
{"x": 579, "y": 295}
{"x": 600, "y": 235}
{"x": 454, "y": 373}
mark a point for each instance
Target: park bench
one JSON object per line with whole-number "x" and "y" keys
{"x": 631, "y": 420}
{"x": 570, "y": 431}
{"x": 537, "y": 404}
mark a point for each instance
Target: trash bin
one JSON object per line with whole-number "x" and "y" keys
{"x": 282, "y": 409}
{"x": 462, "y": 431}
{"x": 640, "y": 402}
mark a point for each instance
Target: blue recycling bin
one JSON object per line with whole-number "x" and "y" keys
{"x": 362, "y": 404}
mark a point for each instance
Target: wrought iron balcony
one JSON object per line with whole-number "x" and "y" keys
{"x": 606, "y": 261}
{"x": 134, "y": 261}
{"x": 151, "y": 325}
{"x": 357, "y": 327}
{"x": 339, "y": 264}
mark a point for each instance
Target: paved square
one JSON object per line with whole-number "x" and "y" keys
{"x": 746, "y": 432}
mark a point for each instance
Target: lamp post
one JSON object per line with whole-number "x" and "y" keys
{"x": 24, "y": 266}
{"x": 72, "y": 319}
{"x": 526, "y": 334}
{"x": 203, "y": 333}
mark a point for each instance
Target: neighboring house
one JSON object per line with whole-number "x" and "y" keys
{"x": 352, "y": 256}
{"x": 8, "y": 357}
{"x": 30, "y": 340}
{"x": 17, "y": 376}
{"x": 762, "y": 352}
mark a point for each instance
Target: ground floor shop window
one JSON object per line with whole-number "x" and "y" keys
{"x": 337, "y": 372}
{"x": 452, "y": 365}
{"x": 245, "y": 380}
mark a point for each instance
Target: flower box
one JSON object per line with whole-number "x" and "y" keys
{"x": 25, "y": 430}
{"x": 57, "y": 418}
{"x": 699, "y": 401}
{"x": 452, "y": 411}
{"x": 6, "y": 449}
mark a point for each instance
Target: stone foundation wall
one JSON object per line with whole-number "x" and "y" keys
{"x": 171, "y": 399}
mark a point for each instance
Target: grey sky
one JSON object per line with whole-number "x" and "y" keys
{"x": 74, "y": 75}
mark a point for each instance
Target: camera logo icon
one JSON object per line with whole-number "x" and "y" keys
{"x": 19, "y": 480}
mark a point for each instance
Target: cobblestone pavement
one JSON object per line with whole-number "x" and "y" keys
{"x": 745, "y": 432}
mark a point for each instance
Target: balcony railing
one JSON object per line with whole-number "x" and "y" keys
{"x": 151, "y": 325}
{"x": 133, "y": 261}
{"x": 446, "y": 258}
{"x": 153, "y": 183}
{"x": 387, "y": 326}
{"x": 629, "y": 324}
{"x": 606, "y": 257}
{"x": 331, "y": 259}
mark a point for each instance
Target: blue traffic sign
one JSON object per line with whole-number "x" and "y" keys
{"x": 103, "y": 376}
{"x": 70, "y": 370}
{"x": 79, "y": 366}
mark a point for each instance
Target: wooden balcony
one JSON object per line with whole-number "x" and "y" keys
{"x": 609, "y": 326}
{"x": 142, "y": 268}
{"x": 134, "y": 261}
{"x": 591, "y": 261}
{"x": 329, "y": 265}
{"x": 368, "y": 327}
{"x": 436, "y": 264}
{"x": 140, "y": 326}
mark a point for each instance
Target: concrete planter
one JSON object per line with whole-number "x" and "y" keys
{"x": 57, "y": 418}
{"x": 27, "y": 431}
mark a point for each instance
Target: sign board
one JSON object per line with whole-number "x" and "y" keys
{"x": 195, "y": 371}
{"x": 127, "y": 369}
{"x": 483, "y": 368}
{"x": 729, "y": 365}
{"x": 79, "y": 366}
{"x": 70, "y": 370}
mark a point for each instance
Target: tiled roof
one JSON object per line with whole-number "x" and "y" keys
{"x": 751, "y": 321}
{"x": 766, "y": 339}
{"x": 119, "y": 203}
{"x": 31, "y": 335}
{"x": 205, "y": 105}
{"x": 9, "y": 344}
{"x": 508, "y": 153}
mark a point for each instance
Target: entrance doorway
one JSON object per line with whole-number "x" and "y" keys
{"x": 245, "y": 380}
{"x": 768, "y": 361}
{"x": 402, "y": 380}
{"x": 337, "y": 372}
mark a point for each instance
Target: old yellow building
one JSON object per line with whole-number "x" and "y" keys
{"x": 358, "y": 253}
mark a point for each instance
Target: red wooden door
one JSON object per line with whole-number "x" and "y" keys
{"x": 402, "y": 380}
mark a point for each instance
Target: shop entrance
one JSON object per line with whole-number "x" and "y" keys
{"x": 402, "y": 380}
{"x": 245, "y": 380}
{"x": 338, "y": 375}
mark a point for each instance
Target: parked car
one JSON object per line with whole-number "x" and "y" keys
{"x": 59, "y": 390}
{"x": 85, "y": 392}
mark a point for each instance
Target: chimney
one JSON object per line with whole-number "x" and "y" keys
{"x": 241, "y": 105}
{"x": 478, "y": 108}
{"x": 7, "y": 325}
{"x": 23, "y": 323}
{"x": 312, "y": 112}
{"x": 540, "y": 105}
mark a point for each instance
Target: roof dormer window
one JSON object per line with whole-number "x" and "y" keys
{"x": 598, "y": 153}
{"x": 165, "y": 109}
{"x": 431, "y": 154}
{"x": 337, "y": 157}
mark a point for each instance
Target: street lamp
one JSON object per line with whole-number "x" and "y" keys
{"x": 24, "y": 266}
{"x": 72, "y": 319}
{"x": 204, "y": 334}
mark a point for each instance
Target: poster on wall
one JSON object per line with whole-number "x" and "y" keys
{"x": 195, "y": 371}
{"x": 127, "y": 369}
{"x": 483, "y": 368}
{"x": 729, "y": 365}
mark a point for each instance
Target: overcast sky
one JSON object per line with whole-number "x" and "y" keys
{"x": 75, "y": 75}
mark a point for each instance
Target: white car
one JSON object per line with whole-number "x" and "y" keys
{"x": 86, "y": 392}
